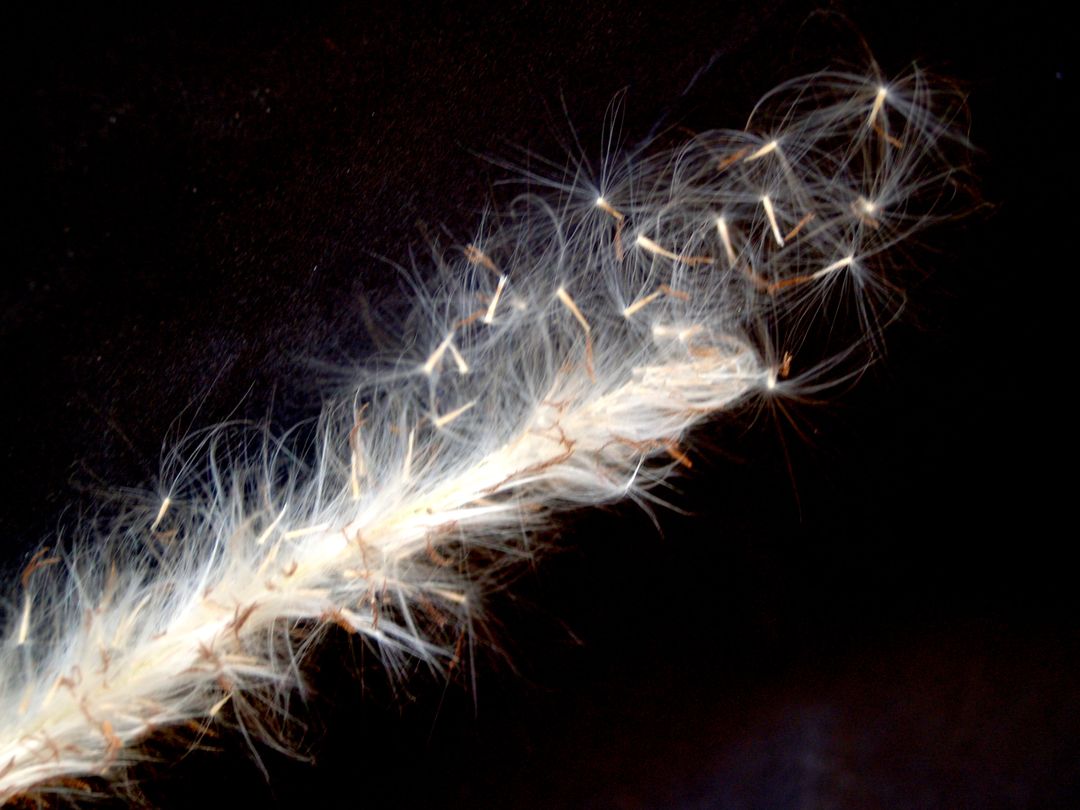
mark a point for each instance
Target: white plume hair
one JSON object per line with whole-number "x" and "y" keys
{"x": 558, "y": 358}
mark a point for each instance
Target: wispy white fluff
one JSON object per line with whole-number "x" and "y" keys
{"x": 558, "y": 358}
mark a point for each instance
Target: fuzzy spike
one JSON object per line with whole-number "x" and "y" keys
{"x": 93, "y": 662}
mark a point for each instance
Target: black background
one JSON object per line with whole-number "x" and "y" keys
{"x": 878, "y": 612}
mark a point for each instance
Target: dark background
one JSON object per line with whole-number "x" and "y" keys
{"x": 876, "y": 613}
